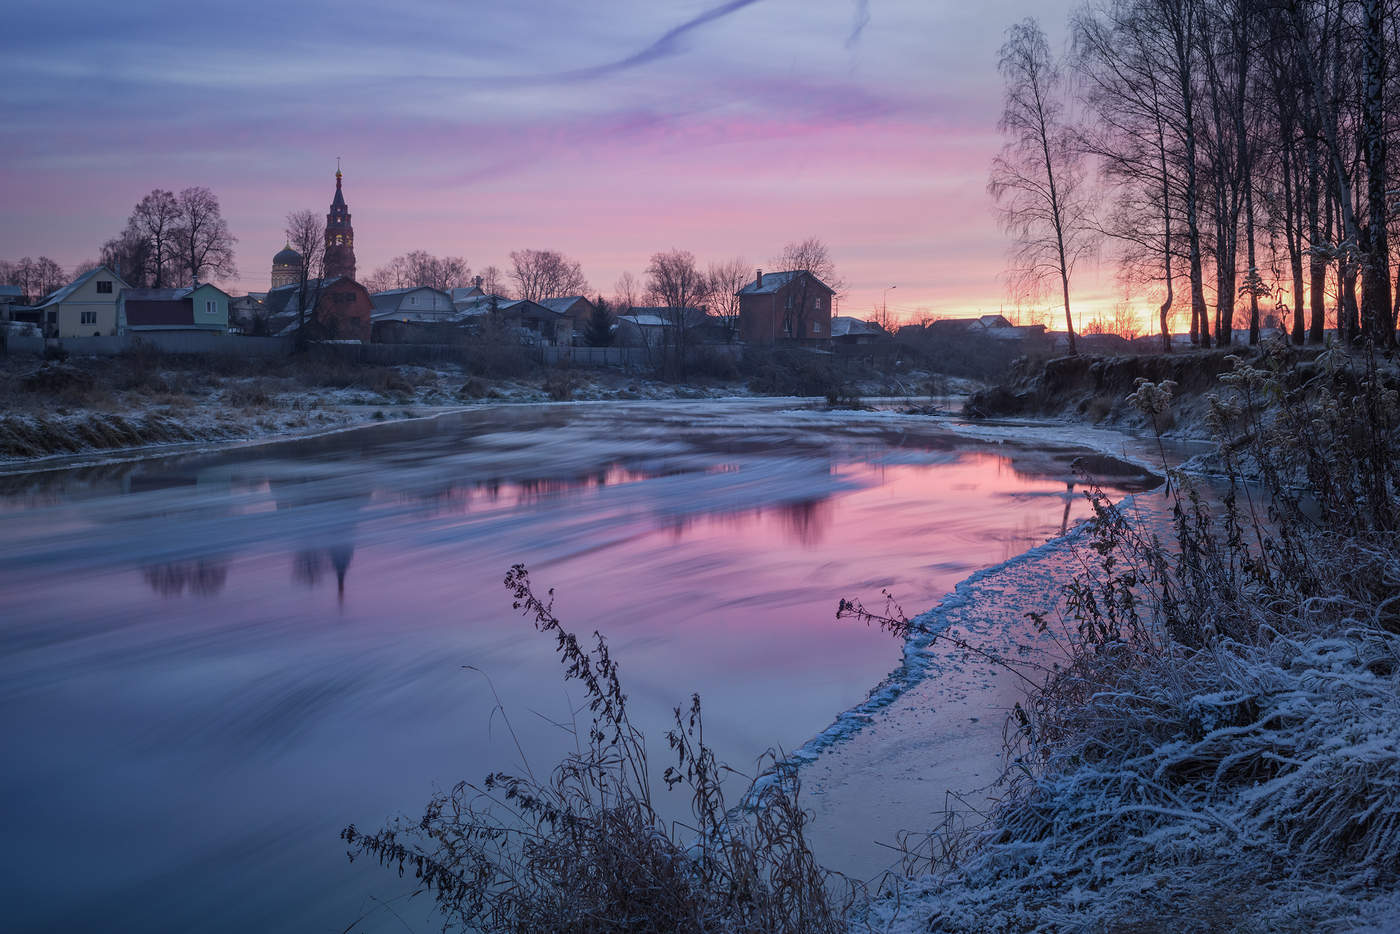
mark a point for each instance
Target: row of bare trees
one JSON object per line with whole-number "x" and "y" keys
{"x": 34, "y": 277}
{"x": 173, "y": 239}
{"x": 1235, "y": 152}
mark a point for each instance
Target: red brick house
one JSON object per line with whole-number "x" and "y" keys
{"x": 793, "y": 305}
{"x": 336, "y": 309}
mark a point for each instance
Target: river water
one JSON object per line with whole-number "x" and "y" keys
{"x": 210, "y": 662}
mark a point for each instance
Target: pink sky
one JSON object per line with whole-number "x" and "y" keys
{"x": 606, "y": 132}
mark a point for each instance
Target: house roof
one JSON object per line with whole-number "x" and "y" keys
{"x": 282, "y": 298}
{"x": 661, "y": 317}
{"x": 842, "y": 326}
{"x": 773, "y": 281}
{"x": 564, "y": 303}
{"x": 159, "y": 312}
{"x": 391, "y": 300}
{"x": 10, "y": 291}
{"x": 155, "y": 295}
{"x": 460, "y": 294}
{"x": 78, "y": 283}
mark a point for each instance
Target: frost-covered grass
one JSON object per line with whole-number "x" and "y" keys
{"x": 1219, "y": 749}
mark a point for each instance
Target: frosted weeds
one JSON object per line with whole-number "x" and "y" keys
{"x": 1244, "y": 788}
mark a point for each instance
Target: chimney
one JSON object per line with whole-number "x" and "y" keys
{"x": 477, "y": 282}
{"x": 758, "y": 282}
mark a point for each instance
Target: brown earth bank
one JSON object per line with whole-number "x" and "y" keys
{"x": 1096, "y": 389}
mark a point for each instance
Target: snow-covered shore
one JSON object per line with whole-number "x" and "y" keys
{"x": 931, "y": 735}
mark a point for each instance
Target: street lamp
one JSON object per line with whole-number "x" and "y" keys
{"x": 884, "y": 307}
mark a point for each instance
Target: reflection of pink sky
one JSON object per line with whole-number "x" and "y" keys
{"x": 266, "y": 693}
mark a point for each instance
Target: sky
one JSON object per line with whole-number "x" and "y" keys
{"x": 607, "y": 130}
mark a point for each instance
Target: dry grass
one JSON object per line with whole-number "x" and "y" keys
{"x": 1221, "y": 751}
{"x": 584, "y": 848}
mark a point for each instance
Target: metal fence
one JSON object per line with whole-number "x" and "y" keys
{"x": 163, "y": 341}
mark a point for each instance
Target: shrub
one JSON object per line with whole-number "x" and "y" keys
{"x": 560, "y": 383}
{"x": 1219, "y": 746}
{"x": 585, "y": 850}
{"x": 791, "y": 372}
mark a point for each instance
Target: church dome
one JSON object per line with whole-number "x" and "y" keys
{"x": 287, "y": 257}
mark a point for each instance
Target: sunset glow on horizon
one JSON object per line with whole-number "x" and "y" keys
{"x": 726, "y": 129}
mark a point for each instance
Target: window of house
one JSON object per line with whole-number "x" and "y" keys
{"x": 413, "y": 299}
{"x": 53, "y": 317}
{"x": 89, "y": 317}
{"x": 104, "y": 287}
{"x": 816, "y": 327}
{"x": 209, "y": 308}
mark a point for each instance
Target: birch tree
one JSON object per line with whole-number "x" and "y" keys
{"x": 1037, "y": 179}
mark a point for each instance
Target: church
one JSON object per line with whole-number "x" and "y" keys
{"x": 335, "y": 306}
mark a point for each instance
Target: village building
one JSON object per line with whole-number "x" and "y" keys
{"x": 531, "y": 322}
{"x": 336, "y": 308}
{"x": 660, "y": 326}
{"x": 855, "y": 332}
{"x": 203, "y": 308}
{"x": 286, "y": 267}
{"x": 10, "y": 295}
{"x": 416, "y": 303}
{"x": 85, "y": 307}
{"x": 246, "y": 314}
{"x": 782, "y": 306}
{"x": 340, "y": 237}
{"x": 461, "y": 297}
{"x": 413, "y": 315}
{"x": 576, "y": 307}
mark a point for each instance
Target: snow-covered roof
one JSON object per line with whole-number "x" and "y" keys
{"x": 76, "y": 284}
{"x": 645, "y": 321}
{"x": 773, "y": 281}
{"x": 563, "y": 303}
{"x": 842, "y": 326}
{"x": 391, "y": 300}
{"x": 10, "y": 291}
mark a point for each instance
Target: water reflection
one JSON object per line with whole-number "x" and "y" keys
{"x": 709, "y": 545}
{"x": 202, "y": 577}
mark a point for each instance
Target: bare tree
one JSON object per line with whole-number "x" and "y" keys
{"x": 725, "y": 280}
{"x": 541, "y": 274}
{"x": 626, "y": 292}
{"x": 201, "y": 236}
{"x": 1377, "y": 317}
{"x": 305, "y": 233}
{"x": 129, "y": 256}
{"x": 493, "y": 281}
{"x": 811, "y": 257}
{"x": 146, "y": 249}
{"x": 1037, "y": 179}
{"x": 420, "y": 268}
{"x": 35, "y": 277}
{"x": 676, "y": 283}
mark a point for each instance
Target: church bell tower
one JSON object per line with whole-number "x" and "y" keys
{"x": 340, "y": 236}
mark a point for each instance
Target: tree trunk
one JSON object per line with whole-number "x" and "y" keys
{"x": 1375, "y": 319}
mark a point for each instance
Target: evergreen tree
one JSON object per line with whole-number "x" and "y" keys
{"x": 598, "y": 332}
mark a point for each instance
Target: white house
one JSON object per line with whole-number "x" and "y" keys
{"x": 85, "y": 307}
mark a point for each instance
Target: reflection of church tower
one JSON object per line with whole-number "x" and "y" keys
{"x": 286, "y": 267}
{"x": 340, "y": 237}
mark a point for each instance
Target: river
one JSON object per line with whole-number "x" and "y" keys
{"x": 214, "y": 660}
